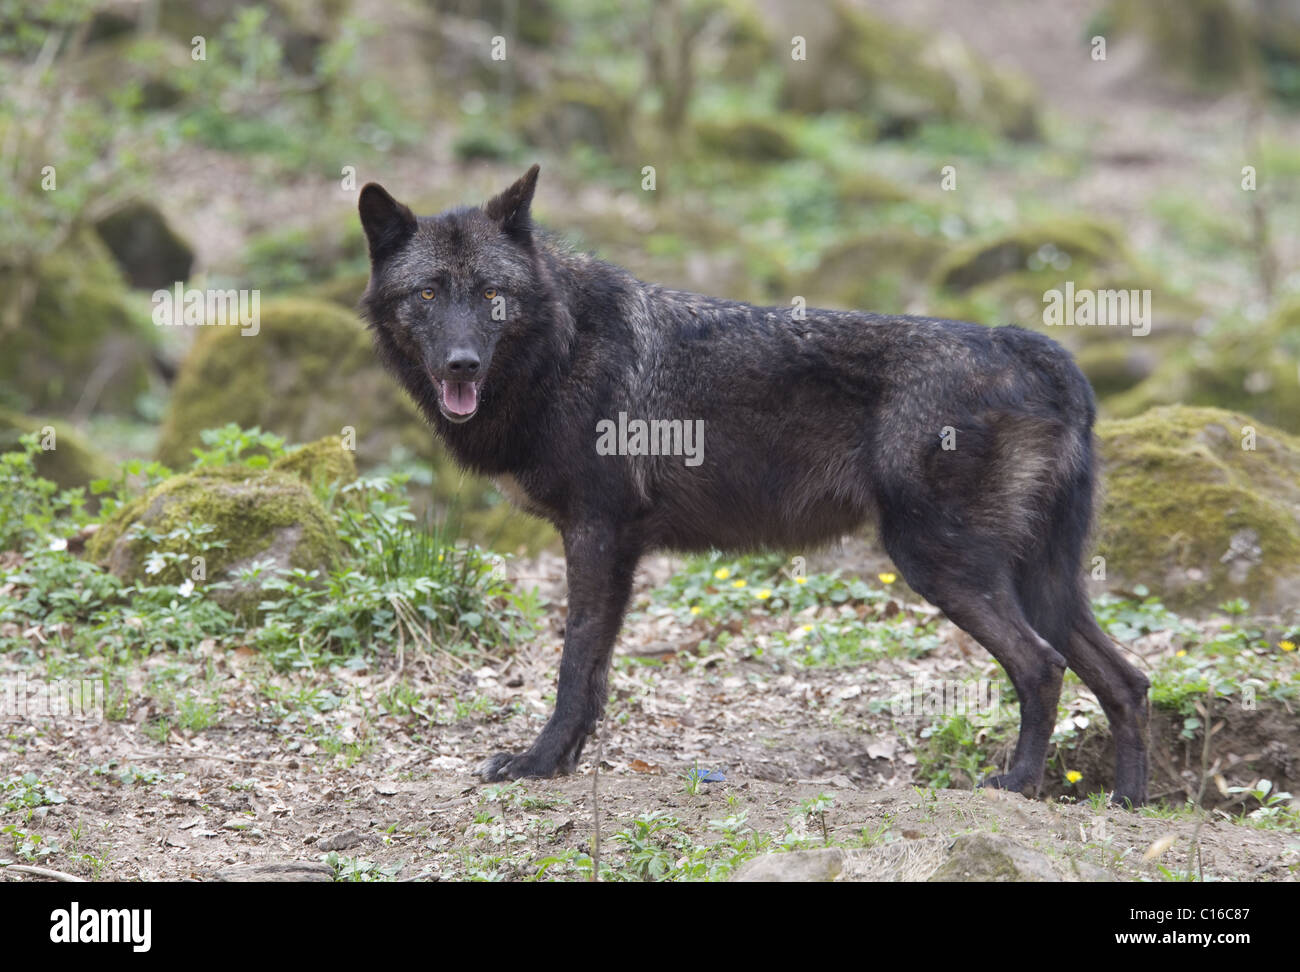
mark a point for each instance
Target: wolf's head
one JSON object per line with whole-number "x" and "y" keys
{"x": 446, "y": 291}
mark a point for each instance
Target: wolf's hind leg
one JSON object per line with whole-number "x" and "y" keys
{"x": 1122, "y": 691}
{"x": 969, "y": 579}
{"x": 1034, "y": 667}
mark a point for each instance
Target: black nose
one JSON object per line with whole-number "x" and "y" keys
{"x": 462, "y": 364}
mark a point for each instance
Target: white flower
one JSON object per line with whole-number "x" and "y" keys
{"x": 186, "y": 589}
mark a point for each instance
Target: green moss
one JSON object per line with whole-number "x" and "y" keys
{"x": 1254, "y": 370}
{"x": 869, "y": 189}
{"x": 1060, "y": 249}
{"x": 880, "y": 271}
{"x": 1181, "y": 493}
{"x": 309, "y": 372}
{"x": 864, "y": 64}
{"x": 258, "y": 515}
{"x": 319, "y": 463}
{"x": 345, "y": 290}
{"x": 71, "y": 463}
{"x": 82, "y": 324}
{"x": 747, "y": 139}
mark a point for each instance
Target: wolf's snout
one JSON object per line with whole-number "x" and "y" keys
{"x": 462, "y": 365}
{"x": 459, "y": 384}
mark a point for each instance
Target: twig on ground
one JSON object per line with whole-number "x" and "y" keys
{"x": 595, "y": 801}
{"x": 186, "y": 754}
{"x": 44, "y": 872}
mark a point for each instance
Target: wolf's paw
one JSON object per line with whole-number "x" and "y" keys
{"x": 1013, "y": 782}
{"x": 1128, "y": 801}
{"x": 511, "y": 766}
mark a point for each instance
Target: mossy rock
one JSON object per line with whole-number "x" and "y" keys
{"x": 1208, "y": 43}
{"x": 1070, "y": 246}
{"x": 308, "y": 373}
{"x": 83, "y": 341}
{"x": 156, "y": 63}
{"x": 1113, "y": 367}
{"x": 345, "y": 290}
{"x": 747, "y": 139}
{"x": 1018, "y": 298}
{"x": 259, "y": 515}
{"x": 72, "y": 461}
{"x": 1004, "y": 279}
{"x": 863, "y": 64}
{"x": 869, "y": 189}
{"x": 1195, "y": 517}
{"x": 882, "y": 271}
{"x": 689, "y": 250}
{"x": 149, "y": 252}
{"x": 1254, "y": 370}
{"x": 321, "y": 463}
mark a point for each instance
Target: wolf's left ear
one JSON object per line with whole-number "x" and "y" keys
{"x": 388, "y": 224}
{"x": 512, "y": 208}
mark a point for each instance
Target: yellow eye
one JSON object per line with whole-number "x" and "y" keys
{"x": 426, "y": 293}
{"x": 489, "y": 294}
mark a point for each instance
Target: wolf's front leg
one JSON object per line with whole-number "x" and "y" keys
{"x": 600, "y": 560}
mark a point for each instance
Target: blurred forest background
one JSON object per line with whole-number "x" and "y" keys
{"x": 950, "y": 159}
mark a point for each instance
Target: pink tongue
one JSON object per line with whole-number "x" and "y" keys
{"x": 460, "y": 397}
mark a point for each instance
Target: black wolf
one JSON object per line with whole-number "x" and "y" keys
{"x": 970, "y": 447}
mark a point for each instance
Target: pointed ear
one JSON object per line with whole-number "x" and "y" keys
{"x": 512, "y": 208}
{"x": 388, "y": 224}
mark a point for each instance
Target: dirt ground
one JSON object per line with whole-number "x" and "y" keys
{"x": 274, "y": 785}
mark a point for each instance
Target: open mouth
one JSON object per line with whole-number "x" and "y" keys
{"x": 458, "y": 400}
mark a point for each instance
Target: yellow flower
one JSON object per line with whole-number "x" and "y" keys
{"x": 807, "y": 627}
{"x": 439, "y": 558}
{"x": 888, "y": 578}
{"x": 738, "y": 583}
{"x": 801, "y": 580}
{"x": 1074, "y": 776}
{"x": 722, "y": 573}
{"x": 1180, "y": 653}
{"x": 763, "y": 595}
{"x": 695, "y": 609}
{"x": 1286, "y": 645}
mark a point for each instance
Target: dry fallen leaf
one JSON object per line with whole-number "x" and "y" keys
{"x": 1159, "y": 846}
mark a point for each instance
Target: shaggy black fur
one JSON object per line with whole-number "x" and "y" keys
{"x": 970, "y": 447}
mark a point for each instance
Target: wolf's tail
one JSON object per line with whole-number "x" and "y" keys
{"x": 1054, "y": 598}
{"x": 1050, "y": 571}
